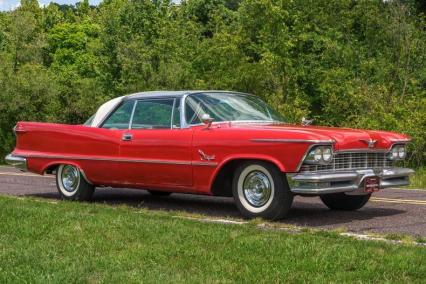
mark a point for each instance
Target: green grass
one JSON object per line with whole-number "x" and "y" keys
{"x": 72, "y": 242}
{"x": 418, "y": 179}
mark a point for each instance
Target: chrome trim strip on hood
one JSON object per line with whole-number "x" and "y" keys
{"x": 399, "y": 140}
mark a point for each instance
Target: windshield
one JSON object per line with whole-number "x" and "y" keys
{"x": 228, "y": 107}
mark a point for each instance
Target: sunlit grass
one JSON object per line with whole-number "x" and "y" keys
{"x": 418, "y": 179}
{"x": 75, "y": 242}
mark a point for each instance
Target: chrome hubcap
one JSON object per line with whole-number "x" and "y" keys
{"x": 257, "y": 188}
{"x": 70, "y": 178}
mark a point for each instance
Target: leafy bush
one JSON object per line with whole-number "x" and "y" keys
{"x": 343, "y": 62}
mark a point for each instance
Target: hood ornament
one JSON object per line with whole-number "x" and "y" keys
{"x": 370, "y": 142}
{"x": 306, "y": 122}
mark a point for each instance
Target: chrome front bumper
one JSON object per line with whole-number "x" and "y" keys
{"x": 17, "y": 162}
{"x": 350, "y": 182}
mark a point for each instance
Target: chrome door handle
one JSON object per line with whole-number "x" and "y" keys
{"x": 127, "y": 137}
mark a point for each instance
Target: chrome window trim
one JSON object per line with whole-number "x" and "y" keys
{"x": 133, "y": 113}
{"x": 173, "y": 112}
{"x": 182, "y": 112}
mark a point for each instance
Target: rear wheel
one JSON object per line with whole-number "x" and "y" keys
{"x": 341, "y": 201}
{"x": 159, "y": 193}
{"x": 72, "y": 185}
{"x": 261, "y": 190}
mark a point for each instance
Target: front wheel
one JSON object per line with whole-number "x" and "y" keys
{"x": 72, "y": 185}
{"x": 341, "y": 201}
{"x": 261, "y": 190}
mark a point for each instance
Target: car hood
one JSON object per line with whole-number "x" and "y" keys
{"x": 343, "y": 138}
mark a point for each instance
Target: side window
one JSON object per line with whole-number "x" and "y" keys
{"x": 153, "y": 114}
{"x": 120, "y": 119}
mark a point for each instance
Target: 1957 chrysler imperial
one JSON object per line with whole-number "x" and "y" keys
{"x": 214, "y": 143}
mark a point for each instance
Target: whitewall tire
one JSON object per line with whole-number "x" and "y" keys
{"x": 260, "y": 190}
{"x": 72, "y": 185}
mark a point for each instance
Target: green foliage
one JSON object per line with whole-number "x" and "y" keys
{"x": 345, "y": 63}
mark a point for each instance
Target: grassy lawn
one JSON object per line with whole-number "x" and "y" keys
{"x": 418, "y": 180}
{"x": 72, "y": 242}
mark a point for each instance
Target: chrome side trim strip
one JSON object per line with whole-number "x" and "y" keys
{"x": 209, "y": 164}
{"x": 146, "y": 161}
{"x": 272, "y": 140}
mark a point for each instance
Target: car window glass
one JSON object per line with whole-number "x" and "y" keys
{"x": 193, "y": 112}
{"x": 120, "y": 119}
{"x": 89, "y": 121}
{"x": 227, "y": 107}
{"x": 153, "y": 114}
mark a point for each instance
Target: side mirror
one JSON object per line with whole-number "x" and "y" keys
{"x": 207, "y": 120}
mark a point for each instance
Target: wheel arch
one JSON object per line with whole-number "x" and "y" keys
{"x": 221, "y": 183}
{"x": 53, "y": 165}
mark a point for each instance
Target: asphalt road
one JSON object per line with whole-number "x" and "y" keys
{"x": 389, "y": 211}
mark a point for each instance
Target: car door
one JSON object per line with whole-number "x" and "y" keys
{"x": 156, "y": 149}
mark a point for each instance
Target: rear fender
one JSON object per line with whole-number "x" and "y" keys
{"x": 57, "y": 163}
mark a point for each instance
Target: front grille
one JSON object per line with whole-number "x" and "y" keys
{"x": 349, "y": 161}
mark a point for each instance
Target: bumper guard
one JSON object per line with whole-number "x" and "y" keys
{"x": 18, "y": 162}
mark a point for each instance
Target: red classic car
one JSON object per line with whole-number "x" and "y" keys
{"x": 214, "y": 143}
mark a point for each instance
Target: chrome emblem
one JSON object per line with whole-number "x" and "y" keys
{"x": 206, "y": 157}
{"x": 370, "y": 143}
{"x": 306, "y": 122}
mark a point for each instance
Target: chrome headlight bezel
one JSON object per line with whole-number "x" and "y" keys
{"x": 320, "y": 155}
{"x": 398, "y": 152}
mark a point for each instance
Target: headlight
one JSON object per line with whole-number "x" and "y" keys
{"x": 319, "y": 155}
{"x": 327, "y": 154}
{"x": 397, "y": 152}
{"x": 401, "y": 152}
